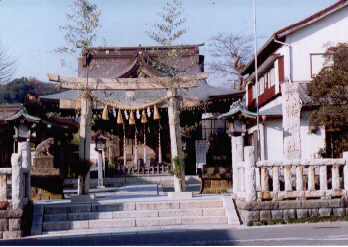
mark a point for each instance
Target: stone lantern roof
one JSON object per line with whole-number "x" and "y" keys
{"x": 23, "y": 114}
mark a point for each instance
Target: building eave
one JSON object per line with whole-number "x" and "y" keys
{"x": 271, "y": 46}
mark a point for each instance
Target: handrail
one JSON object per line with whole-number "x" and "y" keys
{"x": 313, "y": 162}
{"x": 5, "y": 171}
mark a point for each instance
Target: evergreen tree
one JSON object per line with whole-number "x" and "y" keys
{"x": 329, "y": 91}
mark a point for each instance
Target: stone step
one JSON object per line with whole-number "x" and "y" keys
{"x": 134, "y": 214}
{"x": 132, "y": 222}
{"x": 129, "y": 206}
{"x": 111, "y": 230}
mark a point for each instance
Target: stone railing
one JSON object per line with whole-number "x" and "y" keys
{"x": 290, "y": 179}
{"x": 244, "y": 176}
{"x": 302, "y": 179}
{"x": 20, "y": 183}
{"x": 5, "y": 177}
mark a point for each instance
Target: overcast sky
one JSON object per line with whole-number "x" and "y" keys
{"x": 29, "y": 29}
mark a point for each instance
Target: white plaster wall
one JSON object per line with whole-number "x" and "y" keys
{"x": 273, "y": 140}
{"x": 315, "y": 38}
{"x": 310, "y": 142}
{"x": 274, "y": 102}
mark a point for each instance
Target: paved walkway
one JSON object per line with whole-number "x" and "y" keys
{"x": 131, "y": 192}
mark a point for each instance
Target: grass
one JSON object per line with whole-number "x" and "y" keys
{"x": 315, "y": 219}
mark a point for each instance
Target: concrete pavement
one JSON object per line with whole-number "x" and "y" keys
{"x": 333, "y": 233}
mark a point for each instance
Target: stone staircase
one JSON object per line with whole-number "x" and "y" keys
{"x": 98, "y": 215}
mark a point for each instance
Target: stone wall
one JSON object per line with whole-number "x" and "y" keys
{"x": 16, "y": 223}
{"x": 256, "y": 211}
{"x": 11, "y": 224}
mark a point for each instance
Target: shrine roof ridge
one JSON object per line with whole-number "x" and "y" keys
{"x": 144, "y": 47}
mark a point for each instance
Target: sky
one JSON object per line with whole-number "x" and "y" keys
{"x": 29, "y": 29}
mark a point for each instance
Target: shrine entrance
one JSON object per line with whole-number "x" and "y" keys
{"x": 132, "y": 118}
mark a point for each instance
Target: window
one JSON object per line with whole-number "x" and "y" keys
{"x": 213, "y": 127}
{"x": 254, "y": 91}
{"x": 271, "y": 77}
{"x": 262, "y": 85}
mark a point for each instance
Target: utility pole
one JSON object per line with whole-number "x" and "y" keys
{"x": 256, "y": 81}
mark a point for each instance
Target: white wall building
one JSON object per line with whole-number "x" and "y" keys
{"x": 293, "y": 55}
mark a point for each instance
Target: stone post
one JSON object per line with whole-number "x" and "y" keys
{"x": 275, "y": 175}
{"x": 100, "y": 169}
{"x": 287, "y": 179}
{"x": 345, "y": 173}
{"x": 323, "y": 178}
{"x": 237, "y": 157}
{"x": 135, "y": 159}
{"x": 111, "y": 148}
{"x": 291, "y": 107}
{"x": 250, "y": 176}
{"x": 264, "y": 180}
{"x": 311, "y": 175}
{"x": 17, "y": 181}
{"x": 25, "y": 150}
{"x": 85, "y": 140}
{"x": 174, "y": 128}
{"x": 3, "y": 187}
{"x": 335, "y": 178}
{"x": 299, "y": 178}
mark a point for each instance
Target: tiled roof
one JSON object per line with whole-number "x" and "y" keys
{"x": 270, "y": 46}
{"x": 202, "y": 93}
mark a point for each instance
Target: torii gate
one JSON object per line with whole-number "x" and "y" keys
{"x": 170, "y": 84}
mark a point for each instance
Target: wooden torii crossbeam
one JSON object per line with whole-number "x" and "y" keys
{"x": 150, "y": 83}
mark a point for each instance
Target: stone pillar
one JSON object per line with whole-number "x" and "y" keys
{"x": 174, "y": 128}
{"x": 25, "y": 150}
{"x": 311, "y": 176}
{"x": 85, "y": 140}
{"x": 111, "y": 148}
{"x": 3, "y": 187}
{"x": 135, "y": 159}
{"x": 345, "y": 173}
{"x": 291, "y": 106}
{"x": 335, "y": 178}
{"x": 323, "y": 177}
{"x": 250, "y": 176}
{"x": 237, "y": 157}
{"x": 100, "y": 169}
{"x": 299, "y": 178}
{"x": 17, "y": 181}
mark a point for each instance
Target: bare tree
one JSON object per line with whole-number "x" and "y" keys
{"x": 80, "y": 32}
{"x": 171, "y": 24}
{"x": 231, "y": 52}
{"x": 7, "y": 67}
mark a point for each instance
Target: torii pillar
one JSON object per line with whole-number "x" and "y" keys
{"x": 85, "y": 140}
{"x": 174, "y": 129}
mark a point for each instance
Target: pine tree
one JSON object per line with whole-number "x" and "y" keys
{"x": 329, "y": 92}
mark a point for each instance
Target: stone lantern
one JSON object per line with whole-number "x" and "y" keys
{"x": 24, "y": 126}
